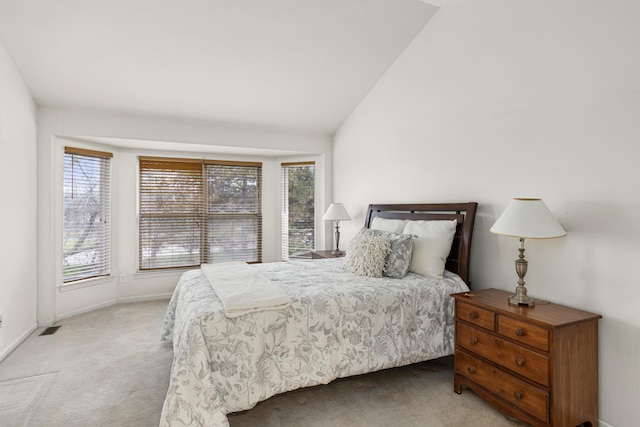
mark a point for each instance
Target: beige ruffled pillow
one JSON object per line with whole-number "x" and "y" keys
{"x": 366, "y": 255}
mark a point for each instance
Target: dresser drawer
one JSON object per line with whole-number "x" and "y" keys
{"x": 528, "y": 398}
{"x": 524, "y": 332}
{"x": 525, "y": 362}
{"x": 478, "y": 316}
{"x": 539, "y": 363}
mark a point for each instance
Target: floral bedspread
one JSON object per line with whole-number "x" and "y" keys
{"x": 338, "y": 325}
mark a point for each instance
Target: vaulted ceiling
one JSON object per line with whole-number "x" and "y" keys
{"x": 298, "y": 64}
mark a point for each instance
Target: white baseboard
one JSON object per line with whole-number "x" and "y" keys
{"x": 87, "y": 309}
{"x": 143, "y": 298}
{"x": 603, "y": 424}
{"x": 17, "y": 342}
{"x": 46, "y": 323}
{"x": 108, "y": 303}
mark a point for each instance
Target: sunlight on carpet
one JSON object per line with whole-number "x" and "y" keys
{"x": 19, "y": 398}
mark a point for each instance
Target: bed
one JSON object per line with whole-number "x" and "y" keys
{"x": 333, "y": 323}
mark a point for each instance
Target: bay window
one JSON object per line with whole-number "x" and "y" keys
{"x": 194, "y": 211}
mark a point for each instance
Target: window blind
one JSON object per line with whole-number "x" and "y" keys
{"x": 234, "y": 212}
{"x": 87, "y": 210}
{"x": 298, "y": 208}
{"x": 170, "y": 213}
{"x": 193, "y": 212}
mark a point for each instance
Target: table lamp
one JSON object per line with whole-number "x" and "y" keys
{"x": 336, "y": 212}
{"x": 526, "y": 219}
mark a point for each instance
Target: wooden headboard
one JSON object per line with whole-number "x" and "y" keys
{"x": 459, "y": 258}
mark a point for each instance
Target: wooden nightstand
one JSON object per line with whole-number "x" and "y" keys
{"x": 538, "y": 364}
{"x": 317, "y": 255}
{"x": 325, "y": 254}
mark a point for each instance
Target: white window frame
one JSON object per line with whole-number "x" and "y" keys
{"x": 284, "y": 208}
{"x": 105, "y": 194}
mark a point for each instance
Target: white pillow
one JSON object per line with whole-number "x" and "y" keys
{"x": 431, "y": 246}
{"x": 388, "y": 225}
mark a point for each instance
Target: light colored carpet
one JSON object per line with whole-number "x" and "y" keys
{"x": 19, "y": 398}
{"x": 112, "y": 370}
{"x": 419, "y": 395}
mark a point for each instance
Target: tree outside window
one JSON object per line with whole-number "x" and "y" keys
{"x": 298, "y": 208}
{"x": 87, "y": 224}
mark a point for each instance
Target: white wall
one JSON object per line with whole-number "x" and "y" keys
{"x": 497, "y": 99}
{"x": 17, "y": 207}
{"x": 57, "y": 128}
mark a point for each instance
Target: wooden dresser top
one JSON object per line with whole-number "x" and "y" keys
{"x": 543, "y": 313}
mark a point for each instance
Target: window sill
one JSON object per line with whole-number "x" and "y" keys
{"x": 79, "y": 284}
{"x": 177, "y": 272}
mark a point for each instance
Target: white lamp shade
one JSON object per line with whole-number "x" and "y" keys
{"x": 336, "y": 212}
{"x": 528, "y": 218}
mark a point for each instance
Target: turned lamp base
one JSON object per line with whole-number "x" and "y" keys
{"x": 521, "y": 297}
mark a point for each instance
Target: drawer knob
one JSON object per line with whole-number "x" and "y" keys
{"x": 471, "y": 369}
{"x": 473, "y": 340}
{"x": 473, "y": 315}
{"x": 521, "y": 332}
{"x": 518, "y": 394}
{"x": 520, "y": 361}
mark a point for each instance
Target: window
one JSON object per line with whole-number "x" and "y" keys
{"x": 194, "y": 212}
{"x": 298, "y": 208}
{"x": 234, "y": 212}
{"x": 87, "y": 224}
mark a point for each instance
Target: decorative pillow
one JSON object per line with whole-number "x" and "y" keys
{"x": 389, "y": 225}
{"x": 431, "y": 246}
{"x": 401, "y": 248}
{"x": 366, "y": 255}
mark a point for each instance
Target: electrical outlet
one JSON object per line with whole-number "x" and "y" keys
{"x": 123, "y": 277}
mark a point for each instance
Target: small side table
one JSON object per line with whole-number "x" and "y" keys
{"x": 326, "y": 254}
{"x": 317, "y": 255}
